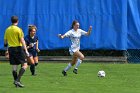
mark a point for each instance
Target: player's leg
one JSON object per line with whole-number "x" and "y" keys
{"x": 32, "y": 64}
{"x": 30, "y": 60}
{"x": 79, "y": 55}
{"x": 74, "y": 59}
{"x": 35, "y": 64}
{"x": 36, "y": 60}
{"x": 79, "y": 60}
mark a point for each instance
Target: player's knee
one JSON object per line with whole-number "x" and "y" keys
{"x": 82, "y": 57}
{"x": 31, "y": 61}
{"x": 36, "y": 63}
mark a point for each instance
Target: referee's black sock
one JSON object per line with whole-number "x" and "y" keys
{"x": 14, "y": 74}
{"x": 32, "y": 69}
{"x": 21, "y": 72}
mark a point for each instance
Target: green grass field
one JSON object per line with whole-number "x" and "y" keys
{"x": 120, "y": 78}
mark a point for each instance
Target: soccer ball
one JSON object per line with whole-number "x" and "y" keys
{"x": 101, "y": 73}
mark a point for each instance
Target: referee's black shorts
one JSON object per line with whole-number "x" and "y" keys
{"x": 16, "y": 55}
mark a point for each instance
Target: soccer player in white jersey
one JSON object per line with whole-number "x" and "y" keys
{"x": 75, "y": 34}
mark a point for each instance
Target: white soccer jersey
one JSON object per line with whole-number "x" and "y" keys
{"x": 75, "y": 38}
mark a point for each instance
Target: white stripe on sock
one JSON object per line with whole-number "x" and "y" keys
{"x": 78, "y": 63}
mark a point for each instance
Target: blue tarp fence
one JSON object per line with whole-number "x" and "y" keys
{"x": 116, "y": 23}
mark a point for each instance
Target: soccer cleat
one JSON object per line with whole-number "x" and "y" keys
{"x": 18, "y": 84}
{"x": 75, "y": 71}
{"x": 64, "y": 73}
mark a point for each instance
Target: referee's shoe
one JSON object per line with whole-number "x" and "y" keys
{"x": 18, "y": 84}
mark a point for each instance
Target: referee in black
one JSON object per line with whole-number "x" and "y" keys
{"x": 14, "y": 40}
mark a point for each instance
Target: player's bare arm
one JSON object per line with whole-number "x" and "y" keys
{"x": 61, "y": 36}
{"x": 89, "y": 31}
{"x": 37, "y": 46}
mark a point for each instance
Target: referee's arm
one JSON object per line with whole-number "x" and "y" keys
{"x": 5, "y": 41}
{"x": 24, "y": 45}
{"x": 5, "y": 44}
